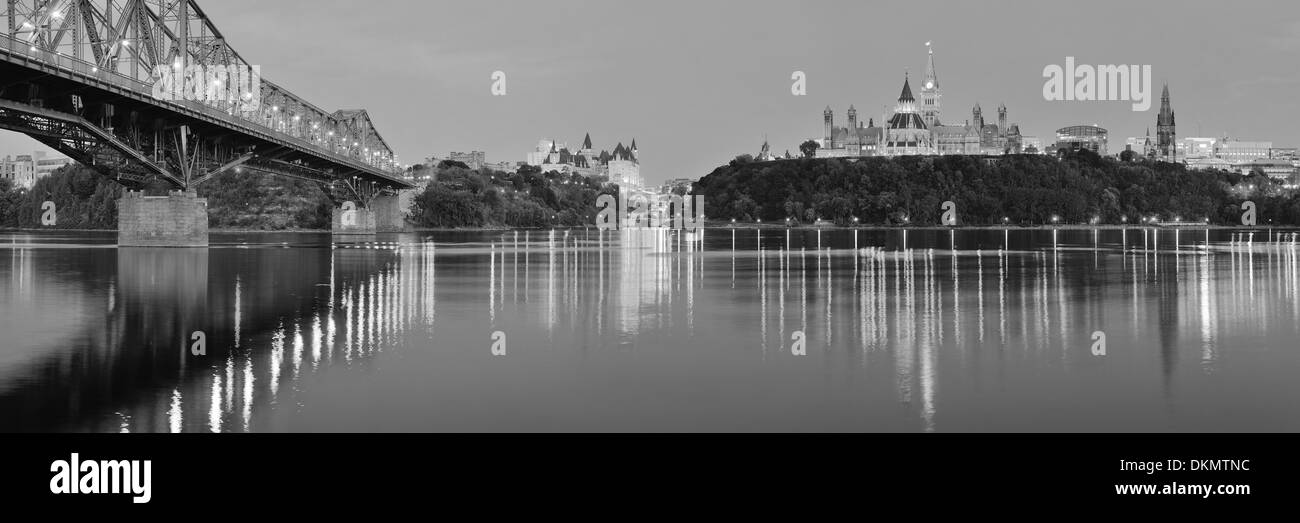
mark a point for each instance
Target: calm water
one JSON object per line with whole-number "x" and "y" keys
{"x": 923, "y": 330}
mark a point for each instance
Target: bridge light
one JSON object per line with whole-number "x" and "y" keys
{"x": 126, "y": 43}
{"x": 27, "y": 25}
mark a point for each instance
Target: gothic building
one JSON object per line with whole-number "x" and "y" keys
{"x": 999, "y": 138}
{"x": 916, "y": 128}
{"x": 765, "y": 154}
{"x": 853, "y": 140}
{"x": 622, "y": 165}
{"x": 930, "y": 94}
{"x": 1166, "y": 146}
{"x": 906, "y": 133}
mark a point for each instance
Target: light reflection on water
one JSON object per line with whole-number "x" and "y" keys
{"x": 916, "y": 330}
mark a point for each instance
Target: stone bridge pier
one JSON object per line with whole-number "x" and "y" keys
{"x": 179, "y": 219}
{"x": 386, "y": 213}
{"x": 391, "y": 211}
{"x": 349, "y": 219}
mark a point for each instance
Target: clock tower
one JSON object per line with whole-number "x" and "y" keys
{"x": 930, "y": 93}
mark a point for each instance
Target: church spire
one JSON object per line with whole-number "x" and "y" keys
{"x": 1165, "y": 130}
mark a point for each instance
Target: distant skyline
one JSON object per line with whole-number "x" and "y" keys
{"x": 697, "y": 83}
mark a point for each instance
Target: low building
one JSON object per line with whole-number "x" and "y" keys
{"x": 1240, "y": 151}
{"x": 1079, "y": 137}
{"x": 682, "y": 185}
{"x": 1279, "y": 169}
{"x": 474, "y": 159}
{"x": 1031, "y": 145}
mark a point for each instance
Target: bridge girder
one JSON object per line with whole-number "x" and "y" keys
{"x": 135, "y": 44}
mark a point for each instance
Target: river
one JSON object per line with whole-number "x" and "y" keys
{"x": 1078, "y": 330}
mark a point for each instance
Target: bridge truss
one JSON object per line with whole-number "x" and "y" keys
{"x": 84, "y": 76}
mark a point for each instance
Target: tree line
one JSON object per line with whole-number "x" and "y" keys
{"x": 460, "y": 197}
{"x": 1018, "y": 189}
{"x": 85, "y": 199}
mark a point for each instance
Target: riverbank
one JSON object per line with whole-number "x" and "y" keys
{"x": 741, "y": 226}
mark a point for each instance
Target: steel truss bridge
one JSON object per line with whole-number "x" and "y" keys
{"x": 82, "y": 77}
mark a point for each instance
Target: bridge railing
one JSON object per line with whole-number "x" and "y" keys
{"x": 24, "y": 52}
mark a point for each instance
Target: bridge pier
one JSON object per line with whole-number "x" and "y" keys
{"x": 350, "y": 220}
{"x": 390, "y": 213}
{"x": 179, "y": 219}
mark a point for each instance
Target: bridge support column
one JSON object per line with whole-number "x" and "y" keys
{"x": 350, "y": 220}
{"x": 390, "y": 213}
{"x": 179, "y": 219}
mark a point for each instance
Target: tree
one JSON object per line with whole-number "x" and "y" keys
{"x": 809, "y": 148}
{"x": 452, "y": 163}
{"x": 743, "y": 159}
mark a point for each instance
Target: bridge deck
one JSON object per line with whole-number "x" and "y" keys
{"x": 18, "y": 53}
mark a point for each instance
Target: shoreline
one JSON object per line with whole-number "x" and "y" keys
{"x": 735, "y": 226}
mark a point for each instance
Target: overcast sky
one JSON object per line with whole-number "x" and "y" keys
{"x": 698, "y": 82}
